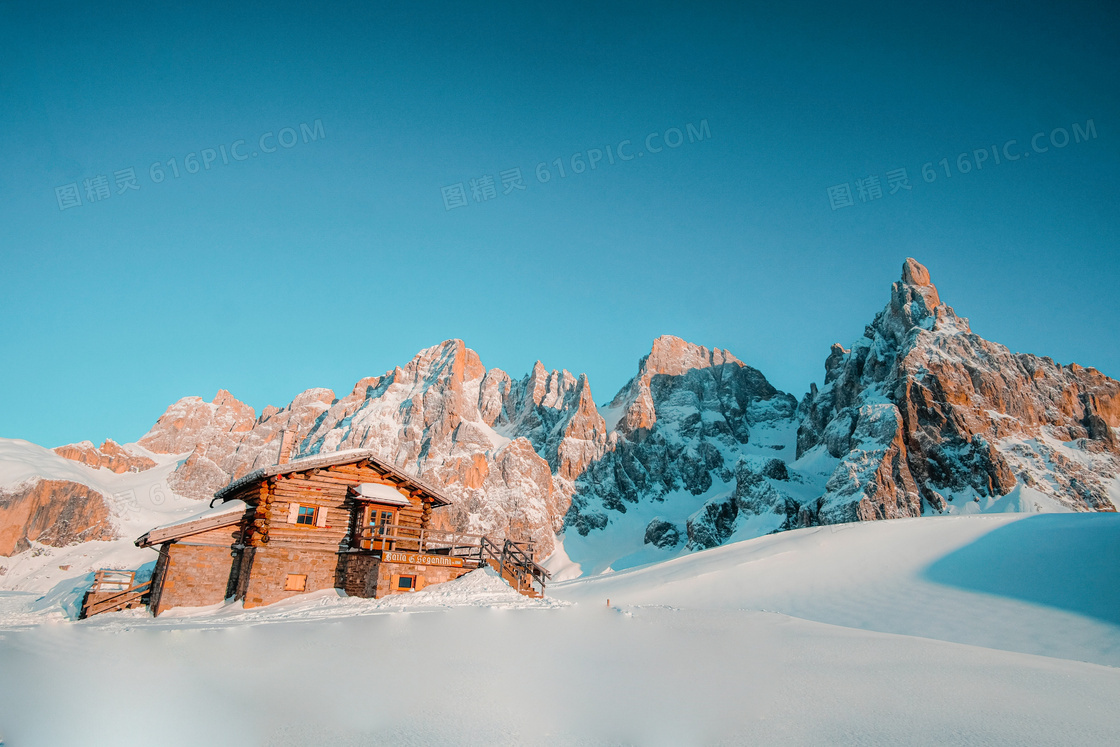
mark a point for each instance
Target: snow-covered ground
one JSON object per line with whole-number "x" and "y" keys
{"x": 960, "y": 630}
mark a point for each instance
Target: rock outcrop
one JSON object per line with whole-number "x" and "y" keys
{"x": 110, "y": 455}
{"x": 52, "y": 512}
{"x": 682, "y": 422}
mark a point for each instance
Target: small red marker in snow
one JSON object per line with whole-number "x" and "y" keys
{"x": 608, "y": 602}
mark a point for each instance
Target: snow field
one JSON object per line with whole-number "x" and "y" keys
{"x": 577, "y": 675}
{"x": 808, "y": 637}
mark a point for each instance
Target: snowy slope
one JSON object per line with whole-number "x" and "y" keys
{"x": 920, "y": 631}
{"x": 1045, "y": 584}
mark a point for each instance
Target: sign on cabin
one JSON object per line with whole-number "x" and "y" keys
{"x": 419, "y": 559}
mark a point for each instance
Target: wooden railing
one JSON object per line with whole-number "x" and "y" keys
{"x": 112, "y": 580}
{"x": 113, "y": 590}
{"x": 511, "y": 559}
{"x": 514, "y": 562}
{"x": 403, "y": 537}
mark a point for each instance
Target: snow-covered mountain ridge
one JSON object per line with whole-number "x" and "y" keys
{"x": 919, "y": 416}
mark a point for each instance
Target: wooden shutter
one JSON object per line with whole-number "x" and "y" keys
{"x": 321, "y": 516}
{"x": 293, "y": 512}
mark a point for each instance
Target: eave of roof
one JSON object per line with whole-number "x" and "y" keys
{"x": 332, "y": 459}
{"x": 201, "y": 522}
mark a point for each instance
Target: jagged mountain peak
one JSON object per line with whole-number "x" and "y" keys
{"x": 915, "y": 309}
{"x": 224, "y": 398}
{"x": 915, "y": 273}
{"x": 921, "y": 412}
{"x": 548, "y": 388}
{"x": 916, "y": 305}
{"x": 673, "y": 356}
{"x": 450, "y": 360}
{"x": 670, "y": 356}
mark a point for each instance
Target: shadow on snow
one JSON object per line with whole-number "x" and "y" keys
{"x": 1068, "y": 561}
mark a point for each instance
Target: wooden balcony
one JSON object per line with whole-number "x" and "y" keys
{"x": 512, "y": 560}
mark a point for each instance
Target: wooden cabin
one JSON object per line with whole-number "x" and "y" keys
{"x": 345, "y": 520}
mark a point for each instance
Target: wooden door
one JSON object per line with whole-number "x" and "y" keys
{"x": 376, "y": 524}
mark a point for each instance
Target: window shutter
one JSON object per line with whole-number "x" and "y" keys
{"x": 321, "y": 516}
{"x": 293, "y": 512}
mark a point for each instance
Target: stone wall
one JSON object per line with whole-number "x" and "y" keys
{"x": 269, "y": 568}
{"x": 195, "y": 575}
{"x": 426, "y": 575}
{"x": 359, "y": 574}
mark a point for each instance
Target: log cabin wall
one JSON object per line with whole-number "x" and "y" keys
{"x": 328, "y": 489}
{"x": 285, "y": 557}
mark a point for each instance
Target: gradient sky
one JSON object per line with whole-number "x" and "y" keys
{"x": 335, "y": 259}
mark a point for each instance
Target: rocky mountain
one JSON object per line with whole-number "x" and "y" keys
{"x": 918, "y": 416}
{"x": 110, "y": 455}
{"x": 54, "y": 513}
{"x": 682, "y": 425}
{"x": 506, "y": 451}
{"x": 923, "y": 414}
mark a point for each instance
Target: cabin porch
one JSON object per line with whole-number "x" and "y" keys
{"x": 385, "y": 559}
{"x": 397, "y": 558}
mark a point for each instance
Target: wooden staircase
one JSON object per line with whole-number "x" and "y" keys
{"x": 113, "y": 591}
{"x": 514, "y": 563}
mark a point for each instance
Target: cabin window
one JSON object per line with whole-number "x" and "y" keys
{"x": 406, "y": 583}
{"x": 306, "y": 516}
{"x": 296, "y": 582}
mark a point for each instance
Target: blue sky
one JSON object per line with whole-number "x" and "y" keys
{"x": 337, "y": 258}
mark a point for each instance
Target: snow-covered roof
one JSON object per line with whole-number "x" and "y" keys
{"x": 226, "y": 514}
{"x": 331, "y": 459}
{"x": 376, "y": 491}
